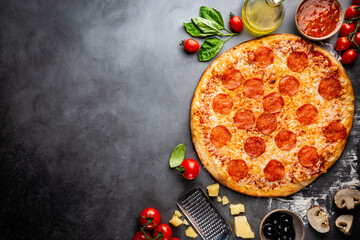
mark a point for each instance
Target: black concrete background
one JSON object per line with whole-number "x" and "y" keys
{"x": 94, "y": 95}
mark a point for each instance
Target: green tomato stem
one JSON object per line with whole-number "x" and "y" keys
{"x": 228, "y": 38}
{"x": 228, "y": 31}
{"x": 147, "y": 237}
{"x": 222, "y": 34}
{"x": 352, "y": 36}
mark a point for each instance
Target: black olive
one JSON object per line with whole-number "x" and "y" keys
{"x": 268, "y": 230}
{"x": 284, "y": 237}
{"x": 275, "y": 219}
{"x": 286, "y": 230}
{"x": 286, "y": 219}
{"x": 291, "y": 234}
{"x": 278, "y": 228}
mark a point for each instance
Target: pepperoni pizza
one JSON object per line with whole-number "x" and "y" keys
{"x": 271, "y": 115}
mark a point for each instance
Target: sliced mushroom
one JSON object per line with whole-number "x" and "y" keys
{"x": 347, "y": 197}
{"x": 318, "y": 219}
{"x": 345, "y": 224}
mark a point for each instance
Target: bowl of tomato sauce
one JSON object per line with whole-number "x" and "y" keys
{"x": 319, "y": 19}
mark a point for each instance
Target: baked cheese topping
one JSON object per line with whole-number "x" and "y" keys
{"x": 273, "y": 112}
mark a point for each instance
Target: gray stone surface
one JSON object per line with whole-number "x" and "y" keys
{"x": 94, "y": 95}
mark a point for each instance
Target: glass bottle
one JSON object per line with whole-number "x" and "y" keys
{"x": 262, "y": 16}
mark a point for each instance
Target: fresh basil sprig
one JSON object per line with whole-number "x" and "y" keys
{"x": 212, "y": 14}
{"x": 206, "y": 25}
{"x": 210, "y": 48}
{"x": 177, "y": 156}
{"x": 210, "y": 22}
{"x": 194, "y": 31}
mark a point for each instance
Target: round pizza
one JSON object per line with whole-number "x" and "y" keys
{"x": 271, "y": 115}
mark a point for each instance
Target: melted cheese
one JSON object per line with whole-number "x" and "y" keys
{"x": 332, "y": 110}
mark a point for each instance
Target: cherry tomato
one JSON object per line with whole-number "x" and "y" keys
{"x": 356, "y": 2}
{"x": 342, "y": 44}
{"x": 146, "y": 216}
{"x": 163, "y": 229}
{"x": 351, "y": 12}
{"x": 141, "y": 236}
{"x": 347, "y": 28}
{"x": 236, "y": 24}
{"x": 190, "y": 169}
{"x": 349, "y": 56}
{"x": 356, "y": 39}
{"x": 190, "y": 45}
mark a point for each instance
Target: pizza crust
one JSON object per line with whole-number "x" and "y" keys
{"x": 214, "y": 161}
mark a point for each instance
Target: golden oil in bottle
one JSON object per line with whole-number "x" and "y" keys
{"x": 262, "y": 16}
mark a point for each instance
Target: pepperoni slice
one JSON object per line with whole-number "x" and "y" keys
{"x": 254, "y": 88}
{"x": 273, "y": 102}
{"x": 329, "y": 88}
{"x": 264, "y": 56}
{"x": 289, "y": 86}
{"x": 237, "y": 169}
{"x": 285, "y": 140}
{"x": 297, "y": 61}
{"x": 266, "y": 123}
{"x": 222, "y": 103}
{"x": 274, "y": 170}
{"x": 308, "y": 156}
{"x": 220, "y": 136}
{"x": 231, "y": 79}
{"x": 335, "y": 132}
{"x": 255, "y": 146}
{"x": 307, "y": 114}
{"x": 244, "y": 119}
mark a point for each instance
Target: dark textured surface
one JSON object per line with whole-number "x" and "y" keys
{"x": 94, "y": 95}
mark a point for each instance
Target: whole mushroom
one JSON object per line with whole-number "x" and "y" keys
{"x": 347, "y": 197}
{"x": 345, "y": 224}
{"x": 318, "y": 219}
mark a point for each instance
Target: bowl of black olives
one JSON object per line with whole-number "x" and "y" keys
{"x": 282, "y": 224}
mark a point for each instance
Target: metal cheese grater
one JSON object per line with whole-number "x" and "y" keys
{"x": 204, "y": 215}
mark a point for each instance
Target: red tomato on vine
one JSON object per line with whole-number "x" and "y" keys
{"x": 352, "y": 12}
{"x": 342, "y": 44}
{"x": 347, "y": 28}
{"x": 139, "y": 235}
{"x": 349, "y": 56}
{"x": 150, "y": 218}
{"x": 164, "y": 231}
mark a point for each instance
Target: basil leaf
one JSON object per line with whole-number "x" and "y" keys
{"x": 212, "y": 14}
{"x": 209, "y": 48}
{"x": 177, "y": 156}
{"x": 206, "y": 26}
{"x": 194, "y": 31}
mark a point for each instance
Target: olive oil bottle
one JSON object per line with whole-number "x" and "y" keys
{"x": 262, "y": 16}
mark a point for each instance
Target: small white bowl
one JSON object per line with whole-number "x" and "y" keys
{"x": 298, "y": 224}
{"x": 338, "y": 26}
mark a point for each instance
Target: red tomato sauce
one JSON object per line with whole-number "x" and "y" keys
{"x": 318, "y": 18}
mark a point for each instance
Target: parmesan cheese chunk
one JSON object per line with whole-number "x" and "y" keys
{"x": 225, "y": 200}
{"x": 213, "y": 190}
{"x": 218, "y": 199}
{"x": 178, "y": 213}
{"x": 185, "y": 222}
{"x": 242, "y": 227}
{"x": 190, "y": 232}
{"x": 175, "y": 221}
{"x": 237, "y": 208}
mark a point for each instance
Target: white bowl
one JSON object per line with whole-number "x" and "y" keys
{"x": 338, "y": 26}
